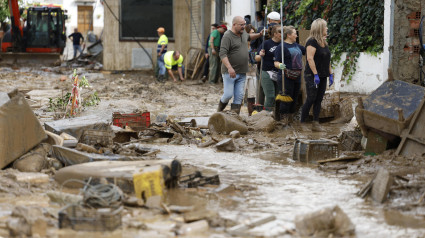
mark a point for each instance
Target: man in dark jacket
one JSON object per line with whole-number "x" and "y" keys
{"x": 77, "y": 39}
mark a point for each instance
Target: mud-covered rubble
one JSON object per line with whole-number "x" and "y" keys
{"x": 180, "y": 115}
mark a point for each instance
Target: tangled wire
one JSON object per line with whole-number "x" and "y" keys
{"x": 102, "y": 195}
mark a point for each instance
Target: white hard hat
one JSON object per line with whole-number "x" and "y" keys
{"x": 274, "y": 16}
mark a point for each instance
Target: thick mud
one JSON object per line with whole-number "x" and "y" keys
{"x": 265, "y": 179}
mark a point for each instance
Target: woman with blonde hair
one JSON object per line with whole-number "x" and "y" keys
{"x": 318, "y": 69}
{"x": 293, "y": 60}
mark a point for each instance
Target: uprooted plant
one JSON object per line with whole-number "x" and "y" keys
{"x": 73, "y": 103}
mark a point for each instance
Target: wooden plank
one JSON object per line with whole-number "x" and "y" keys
{"x": 338, "y": 159}
{"x": 381, "y": 185}
{"x": 242, "y": 229}
{"x": 415, "y": 130}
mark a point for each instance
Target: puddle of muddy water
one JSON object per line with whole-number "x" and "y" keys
{"x": 286, "y": 189}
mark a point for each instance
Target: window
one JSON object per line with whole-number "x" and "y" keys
{"x": 141, "y": 19}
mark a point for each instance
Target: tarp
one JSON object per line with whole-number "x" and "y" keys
{"x": 20, "y": 130}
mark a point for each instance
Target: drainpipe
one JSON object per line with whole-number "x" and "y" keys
{"x": 203, "y": 22}
{"x": 391, "y": 44}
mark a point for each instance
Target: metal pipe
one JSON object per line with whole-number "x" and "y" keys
{"x": 203, "y": 22}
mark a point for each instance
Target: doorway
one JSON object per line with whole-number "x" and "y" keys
{"x": 85, "y": 19}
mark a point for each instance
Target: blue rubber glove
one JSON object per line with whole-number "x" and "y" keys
{"x": 282, "y": 66}
{"x": 316, "y": 79}
{"x": 331, "y": 79}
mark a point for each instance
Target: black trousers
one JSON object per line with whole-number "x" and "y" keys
{"x": 314, "y": 96}
{"x": 292, "y": 89}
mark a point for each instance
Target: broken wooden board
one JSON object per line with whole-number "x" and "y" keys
{"x": 345, "y": 158}
{"x": 241, "y": 230}
{"x": 31, "y": 177}
{"x": 381, "y": 185}
{"x": 413, "y": 139}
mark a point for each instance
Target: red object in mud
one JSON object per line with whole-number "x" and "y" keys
{"x": 135, "y": 120}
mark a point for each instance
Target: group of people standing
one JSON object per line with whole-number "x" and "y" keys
{"x": 230, "y": 54}
{"x": 280, "y": 75}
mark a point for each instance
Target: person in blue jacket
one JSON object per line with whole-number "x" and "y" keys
{"x": 293, "y": 61}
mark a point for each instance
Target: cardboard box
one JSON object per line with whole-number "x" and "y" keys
{"x": 20, "y": 130}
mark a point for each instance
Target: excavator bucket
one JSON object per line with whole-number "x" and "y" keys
{"x": 29, "y": 59}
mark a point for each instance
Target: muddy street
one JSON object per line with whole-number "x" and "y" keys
{"x": 258, "y": 179}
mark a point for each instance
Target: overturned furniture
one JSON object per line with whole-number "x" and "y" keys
{"x": 384, "y": 114}
{"x": 413, "y": 139}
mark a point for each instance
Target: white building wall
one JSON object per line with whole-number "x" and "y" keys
{"x": 72, "y": 12}
{"x": 370, "y": 74}
{"x": 237, "y": 8}
{"x": 72, "y": 22}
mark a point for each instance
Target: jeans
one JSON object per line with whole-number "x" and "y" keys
{"x": 292, "y": 88}
{"x": 233, "y": 87}
{"x": 77, "y": 48}
{"x": 161, "y": 64}
{"x": 314, "y": 96}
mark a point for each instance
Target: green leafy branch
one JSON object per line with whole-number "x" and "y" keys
{"x": 353, "y": 26}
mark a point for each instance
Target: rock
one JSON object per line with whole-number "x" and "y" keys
{"x": 206, "y": 144}
{"x": 262, "y": 121}
{"x": 86, "y": 148}
{"x": 226, "y": 145}
{"x": 327, "y": 222}
{"x": 27, "y": 221}
{"x": 198, "y": 227}
{"x": 31, "y": 162}
{"x": 199, "y": 214}
{"x": 64, "y": 198}
{"x": 54, "y": 163}
{"x": 235, "y": 134}
{"x": 20, "y": 129}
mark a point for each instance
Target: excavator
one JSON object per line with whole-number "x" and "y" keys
{"x": 40, "y": 40}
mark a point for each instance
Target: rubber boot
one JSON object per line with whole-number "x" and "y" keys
{"x": 251, "y": 102}
{"x": 276, "y": 114}
{"x": 284, "y": 119}
{"x": 161, "y": 78}
{"x": 290, "y": 118}
{"x": 236, "y": 108}
{"x": 221, "y": 106}
{"x": 315, "y": 126}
